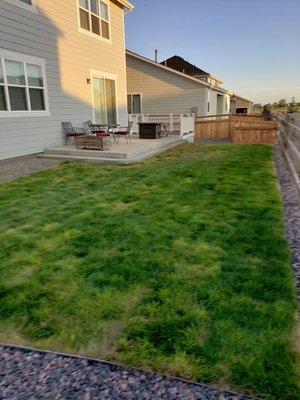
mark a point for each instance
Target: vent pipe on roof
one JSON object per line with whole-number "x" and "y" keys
{"x": 156, "y": 55}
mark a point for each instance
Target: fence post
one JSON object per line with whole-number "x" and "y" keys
{"x": 192, "y": 123}
{"x": 171, "y": 123}
{"x": 182, "y": 127}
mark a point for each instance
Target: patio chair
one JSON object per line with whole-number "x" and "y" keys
{"x": 98, "y": 129}
{"x": 70, "y": 131}
{"x": 124, "y": 131}
{"x": 113, "y": 130}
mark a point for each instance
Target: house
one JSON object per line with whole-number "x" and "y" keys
{"x": 158, "y": 88}
{"x": 181, "y": 65}
{"x": 240, "y": 105}
{"x": 59, "y": 61}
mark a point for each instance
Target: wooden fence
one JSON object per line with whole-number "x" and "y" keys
{"x": 249, "y": 129}
{"x": 289, "y": 140}
{"x": 212, "y": 129}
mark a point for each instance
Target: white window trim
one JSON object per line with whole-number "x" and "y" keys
{"x": 32, "y": 8}
{"x": 106, "y": 75}
{"x": 141, "y": 101}
{"x": 24, "y": 58}
{"x": 90, "y": 33}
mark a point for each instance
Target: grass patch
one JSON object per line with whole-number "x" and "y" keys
{"x": 178, "y": 264}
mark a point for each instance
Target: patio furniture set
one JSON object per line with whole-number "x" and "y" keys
{"x": 98, "y": 136}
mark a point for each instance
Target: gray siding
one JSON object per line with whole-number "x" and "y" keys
{"x": 52, "y": 34}
{"x": 163, "y": 92}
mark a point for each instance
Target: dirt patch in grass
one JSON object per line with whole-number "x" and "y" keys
{"x": 178, "y": 264}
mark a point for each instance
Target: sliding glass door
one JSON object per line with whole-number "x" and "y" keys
{"x": 104, "y": 93}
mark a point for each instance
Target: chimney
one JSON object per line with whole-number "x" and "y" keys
{"x": 156, "y": 55}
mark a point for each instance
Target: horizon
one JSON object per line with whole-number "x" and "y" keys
{"x": 248, "y": 62}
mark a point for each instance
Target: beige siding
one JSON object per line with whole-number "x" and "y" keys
{"x": 213, "y": 96}
{"x": 52, "y": 34}
{"x": 162, "y": 91}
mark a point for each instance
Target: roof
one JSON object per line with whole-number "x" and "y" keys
{"x": 126, "y": 4}
{"x": 236, "y": 96}
{"x": 180, "y": 64}
{"x": 173, "y": 71}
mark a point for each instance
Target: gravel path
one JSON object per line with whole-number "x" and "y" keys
{"x": 28, "y": 375}
{"x": 291, "y": 213}
{"x": 14, "y": 168}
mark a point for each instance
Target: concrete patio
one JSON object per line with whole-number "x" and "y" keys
{"x": 120, "y": 153}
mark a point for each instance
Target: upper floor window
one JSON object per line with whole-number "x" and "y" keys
{"x": 22, "y": 86}
{"x": 94, "y": 17}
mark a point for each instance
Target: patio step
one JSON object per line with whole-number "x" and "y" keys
{"x": 83, "y": 153}
{"x": 106, "y": 157}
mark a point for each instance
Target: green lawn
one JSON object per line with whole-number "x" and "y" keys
{"x": 178, "y": 264}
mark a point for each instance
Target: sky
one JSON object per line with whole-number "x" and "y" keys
{"x": 252, "y": 45}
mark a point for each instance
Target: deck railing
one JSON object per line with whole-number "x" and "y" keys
{"x": 176, "y": 124}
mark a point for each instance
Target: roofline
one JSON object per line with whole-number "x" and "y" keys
{"x": 126, "y": 4}
{"x": 216, "y": 79}
{"x": 174, "y": 71}
{"x": 211, "y": 76}
{"x": 240, "y": 97}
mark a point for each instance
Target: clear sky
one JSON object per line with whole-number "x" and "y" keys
{"x": 252, "y": 45}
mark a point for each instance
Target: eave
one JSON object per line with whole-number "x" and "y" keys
{"x": 126, "y": 4}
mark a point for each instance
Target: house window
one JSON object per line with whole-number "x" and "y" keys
{"x": 22, "y": 86}
{"x": 134, "y": 104}
{"x": 208, "y": 106}
{"x": 94, "y": 17}
{"x": 26, "y": 2}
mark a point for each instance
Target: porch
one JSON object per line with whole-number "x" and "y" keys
{"x": 119, "y": 153}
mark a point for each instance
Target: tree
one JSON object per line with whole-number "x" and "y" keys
{"x": 282, "y": 103}
{"x": 266, "y": 112}
{"x": 292, "y": 108}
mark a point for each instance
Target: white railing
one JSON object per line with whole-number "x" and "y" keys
{"x": 176, "y": 124}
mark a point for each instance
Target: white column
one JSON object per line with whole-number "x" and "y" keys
{"x": 182, "y": 124}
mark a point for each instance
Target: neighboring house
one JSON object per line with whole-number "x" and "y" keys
{"x": 59, "y": 61}
{"x": 239, "y": 105}
{"x": 181, "y": 65}
{"x": 155, "y": 88}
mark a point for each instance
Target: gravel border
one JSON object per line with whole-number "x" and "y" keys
{"x": 28, "y": 374}
{"x": 14, "y": 168}
{"x": 291, "y": 203}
